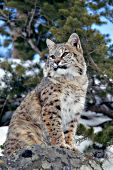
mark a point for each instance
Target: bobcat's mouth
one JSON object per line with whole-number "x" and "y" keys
{"x": 61, "y": 67}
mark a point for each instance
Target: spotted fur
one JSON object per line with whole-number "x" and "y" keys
{"x": 50, "y": 113}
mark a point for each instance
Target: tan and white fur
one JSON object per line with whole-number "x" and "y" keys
{"x": 50, "y": 113}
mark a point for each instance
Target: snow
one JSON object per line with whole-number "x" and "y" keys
{"x": 111, "y": 80}
{"x": 97, "y": 81}
{"x": 29, "y": 65}
{"x": 97, "y": 129}
{"x": 1, "y": 24}
{"x": 36, "y": 58}
{"x": 82, "y": 143}
{"x": 32, "y": 72}
{"x": 108, "y": 162}
{"x": 42, "y": 64}
{"x": 2, "y": 84}
{"x": 98, "y": 99}
{"x": 14, "y": 60}
{"x": 3, "y": 133}
{"x": 109, "y": 97}
{"x": 2, "y": 73}
{"x": 103, "y": 87}
{"x": 94, "y": 119}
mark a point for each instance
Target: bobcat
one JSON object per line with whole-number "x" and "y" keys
{"x": 50, "y": 113}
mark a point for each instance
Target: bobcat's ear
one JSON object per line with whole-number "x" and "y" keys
{"x": 50, "y": 44}
{"x": 75, "y": 42}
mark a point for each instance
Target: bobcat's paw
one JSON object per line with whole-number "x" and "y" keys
{"x": 74, "y": 148}
{"x": 64, "y": 145}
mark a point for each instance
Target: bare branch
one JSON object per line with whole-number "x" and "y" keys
{"x": 92, "y": 51}
{"x": 3, "y": 15}
{"x": 31, "y": 19}
{"x": 102, "y": 109}
{"x": 33, "y": 46}
{"x": 93, "y": 64}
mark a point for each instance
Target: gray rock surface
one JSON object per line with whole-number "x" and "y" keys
{"x": 47, "y": 158}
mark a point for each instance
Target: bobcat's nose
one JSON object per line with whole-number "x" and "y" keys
{"x": 57, "y": 61}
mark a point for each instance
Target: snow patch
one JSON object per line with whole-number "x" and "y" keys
{"x": 97, "y": 81}
{"x": 82, "y": 143}
{"x": 3, "y": 133}
{"x": 29, "y": 65}
{"x": 108, "y": 162}
{"x": 2, "y": 74}
{"x": 94, "y": 119}
{"x": 97, "y": 129}
{"x": 109, "y": 97}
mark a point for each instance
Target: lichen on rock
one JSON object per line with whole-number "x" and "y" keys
{"x": 47, "y": 158}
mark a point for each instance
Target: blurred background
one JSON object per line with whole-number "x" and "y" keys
{"x": 24, "y": 27}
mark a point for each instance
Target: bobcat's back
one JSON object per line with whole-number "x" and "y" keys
{"x": 26, "y": 127}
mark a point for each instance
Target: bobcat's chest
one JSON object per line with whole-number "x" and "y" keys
{"x": 72, "y": 103}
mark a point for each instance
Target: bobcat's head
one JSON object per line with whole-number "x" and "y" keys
{"x": 65, "y": 59}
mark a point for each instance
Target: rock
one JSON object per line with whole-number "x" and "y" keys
{"x": 40, "y": 157}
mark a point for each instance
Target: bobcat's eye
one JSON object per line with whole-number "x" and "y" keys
{"x": 65, "y": 53}
{"x": 52, "y": 56}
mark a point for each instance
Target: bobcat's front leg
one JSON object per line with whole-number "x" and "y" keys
{"x": 70, "y": 133}
{"x": 51, "y": 113}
